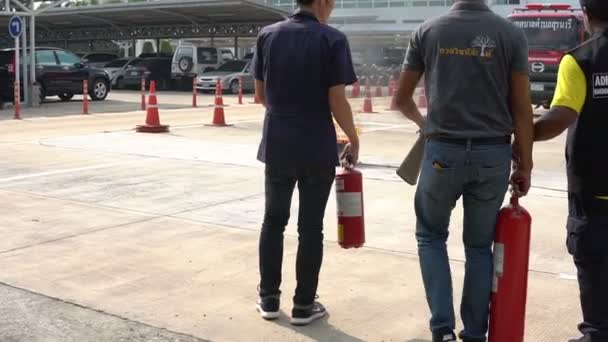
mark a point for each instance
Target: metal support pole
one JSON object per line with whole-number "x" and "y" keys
{"x": 236, "y": 47}
{"x": 20, "y": 6}
{"x": 33, "y": 49}
{"x": 26, "y": 80}
{"x": 157, "y": 46}
{"x": 16, "y": 84}
{"x": 17, "y": 62}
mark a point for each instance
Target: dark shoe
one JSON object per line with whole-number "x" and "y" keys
{"x": 304, "y": 315}
{"x": 268, "y": 307}
{"x": 444, "y": 335}
{"x": 589, "y": 338}
{"x": 469, "y": 339}
{"x": 585, "y": 338}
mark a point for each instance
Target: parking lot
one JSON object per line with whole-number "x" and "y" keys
{"x": 107, "y": 234}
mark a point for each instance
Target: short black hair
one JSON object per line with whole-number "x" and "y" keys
{"x": 305, "y": 2}
{"x": 596, "y": 9}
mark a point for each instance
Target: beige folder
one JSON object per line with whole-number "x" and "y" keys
{"x": 410, "y": 168}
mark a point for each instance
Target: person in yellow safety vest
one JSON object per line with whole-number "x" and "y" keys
{"x": 581, "y": 104}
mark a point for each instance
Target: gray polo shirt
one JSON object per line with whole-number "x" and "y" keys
{"x": 468, "y": 56}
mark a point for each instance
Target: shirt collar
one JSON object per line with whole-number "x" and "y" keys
{"x": 470, "y": 6}
{"x": 303, "y": 14}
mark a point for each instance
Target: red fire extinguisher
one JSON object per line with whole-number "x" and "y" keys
{"x": 510, "y": 285}
{"x": 349, "y": 195}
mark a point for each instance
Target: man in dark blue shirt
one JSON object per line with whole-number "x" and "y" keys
{"x": 301, "y": 67}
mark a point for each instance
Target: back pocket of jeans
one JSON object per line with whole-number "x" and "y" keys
{"x": 493, "y": 181}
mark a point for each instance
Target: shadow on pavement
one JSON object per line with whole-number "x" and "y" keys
{"x": 320, "y": 330}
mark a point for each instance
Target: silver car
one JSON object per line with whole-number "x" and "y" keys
{"x": 228, "y": 74}
{"x": 116, "y": 70}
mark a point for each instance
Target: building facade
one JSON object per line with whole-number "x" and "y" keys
{"x": 380, "y": 27}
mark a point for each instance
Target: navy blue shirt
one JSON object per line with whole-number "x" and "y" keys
{"x": 298, "y": 60}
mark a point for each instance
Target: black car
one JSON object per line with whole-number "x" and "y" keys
{"x": 58, "y": 72}
{"x": 98, "y": 59}
{"x": 157, "y": 69}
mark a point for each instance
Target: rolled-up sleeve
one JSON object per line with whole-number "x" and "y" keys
{"x": 414, "y": 60}
{"x": 341, "y": 66}
{"x": 258, "y": 59}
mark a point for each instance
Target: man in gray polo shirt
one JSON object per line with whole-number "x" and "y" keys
{"x": 475, "y": 64}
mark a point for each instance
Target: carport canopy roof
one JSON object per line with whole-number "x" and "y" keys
{"x": 163, "y": 12}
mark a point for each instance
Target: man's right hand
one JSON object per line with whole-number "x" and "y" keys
{"x": 521, "y": 181}
{"x": 350, "y": 155}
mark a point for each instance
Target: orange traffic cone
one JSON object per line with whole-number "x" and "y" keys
{"x": 392, "y": 87}
{"x": 422, "y": 101}
{"x": 367, "y": 103}
{"x": 356, "y": 92}
{"x": 393, "y": 94}
{"x": 378, "y": 89}
{"x": 256, "y": 100}
{"x": 219, "y": 100}
{"x": 152, "y": 124}
{"x": 218, "y": 113}
{"x": 240, "y": 90}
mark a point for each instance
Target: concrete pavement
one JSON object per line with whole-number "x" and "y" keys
{"x": 155, "y": 232}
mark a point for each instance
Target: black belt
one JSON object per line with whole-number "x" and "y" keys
{"x": 472, "y": 141}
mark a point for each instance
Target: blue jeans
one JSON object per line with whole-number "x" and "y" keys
{"x": 480, "y": 175}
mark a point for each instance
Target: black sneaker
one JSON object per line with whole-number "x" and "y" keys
{"x": 268, "y": 307}
{"x": 589, "y": 338}
{"x": 468, "y": 339}
{"x": 304, "y": 315}
{"x": 444, "y": 335}
{"x": 585, "y": 338}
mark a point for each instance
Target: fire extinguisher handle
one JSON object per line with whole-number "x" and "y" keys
{"x": 514, "y": 200}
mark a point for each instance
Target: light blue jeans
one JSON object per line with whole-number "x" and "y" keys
{"x": 480, "y": 175}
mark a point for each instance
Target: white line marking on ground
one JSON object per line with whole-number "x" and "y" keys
{"x": 72, "y": 170}
{"x": 566, "y": 276}
{"x": 25, "y": 142}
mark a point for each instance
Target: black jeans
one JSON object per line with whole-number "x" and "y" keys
{"x": 314, "y": 186}
{"x": 588, "y": 243}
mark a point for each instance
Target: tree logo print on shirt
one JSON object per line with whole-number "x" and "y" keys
{"x": 486, "y": 45}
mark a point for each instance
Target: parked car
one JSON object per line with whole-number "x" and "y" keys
{"x": 157, "y": 69}
{"x": 154, "y": 54}
{"x": 98, "y": 59}
{"x": 116, "y": 69}
{"x": 189, "y": 61}
{"x": 6, "y": 89}
{"x": 58, "y": 72}
{"x": 228, "y": 74}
